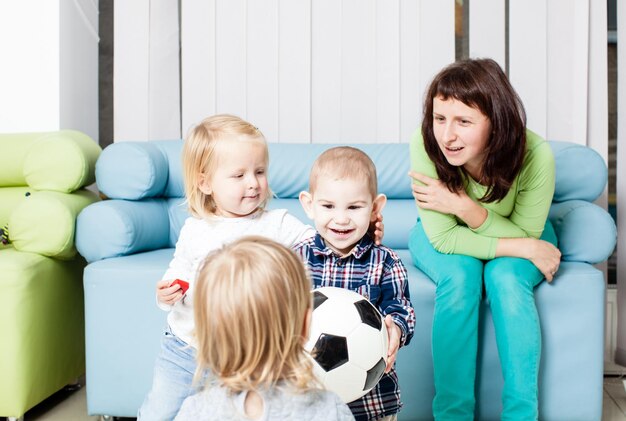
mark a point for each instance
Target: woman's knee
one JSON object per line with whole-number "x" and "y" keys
{"x": 459, "y": 285}
{"x": 511, "y": 272}
{"x": 510, "y": 282}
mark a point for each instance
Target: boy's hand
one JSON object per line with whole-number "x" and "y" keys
{"x": 393, "y": 330}
{"x": 167, "y": 294}
{"x": 377, "y": 229}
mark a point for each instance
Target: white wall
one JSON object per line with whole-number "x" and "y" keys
{"x": 49, "y": 71}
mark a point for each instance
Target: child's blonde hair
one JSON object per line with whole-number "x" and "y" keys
{"x": 251, "y": 300}
{"x": 201, "y": 155}
{"x": 344, "y": 162}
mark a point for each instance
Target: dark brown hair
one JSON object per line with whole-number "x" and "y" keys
{"x": 480, "y": 84}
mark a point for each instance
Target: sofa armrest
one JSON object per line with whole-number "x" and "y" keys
{"x": 586, "y": 232}
{"x": 116, "y": 227}
{"x": 581, "y": 173}
{"x": 44, "y": 222}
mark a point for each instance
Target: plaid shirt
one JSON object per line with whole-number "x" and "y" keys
{"x": 377, "y": 273}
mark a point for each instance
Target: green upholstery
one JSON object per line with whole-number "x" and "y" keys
{"x": 43, "y": 328}
{"x": 50, "y": 233}
{"x": 61, "y": 161}
{"x": 42, "y": 176}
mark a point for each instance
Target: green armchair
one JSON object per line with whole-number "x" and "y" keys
{"x": 42, "y": 176}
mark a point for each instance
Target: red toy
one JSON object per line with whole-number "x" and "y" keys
{"x": 184, "y": 285}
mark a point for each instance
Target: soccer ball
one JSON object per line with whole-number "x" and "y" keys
{"x": 348, "y": 342}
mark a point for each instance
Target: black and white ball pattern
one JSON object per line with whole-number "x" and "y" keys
{"x": 348, "y": 341}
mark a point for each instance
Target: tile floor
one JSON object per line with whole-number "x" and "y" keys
{"x": 72, "y": 405}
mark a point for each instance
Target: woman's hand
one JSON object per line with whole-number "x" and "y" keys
{"x": 377, "y": 229}
{"x": 167, "y": 294}
{"x": 393, "y": 330}
{"x": 545, "y": 256}
{"x": 434, "y": 195}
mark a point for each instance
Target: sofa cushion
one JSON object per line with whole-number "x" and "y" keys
{"x": 44, "y": 222}
{"x": 10, "y": 197}
{"x": 586, "y": 232}
{"x": 113, "y": 228}
{"x": 138, "y": 170}
{"x": 581, "y": 172}
{"x": 289, "y": 176}
{"x": 62, "y": 161}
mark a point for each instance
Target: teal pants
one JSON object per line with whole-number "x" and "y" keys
{"x": 509, "y": 284}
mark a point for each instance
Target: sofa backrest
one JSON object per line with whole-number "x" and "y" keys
{"x": 144, "y": 170}
{"x": 42, "y": 176}
{"x": 149, "y": 175}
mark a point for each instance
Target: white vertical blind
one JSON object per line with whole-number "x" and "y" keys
{"x": 231, "y": 57}
{"x": 348, "y": 70}
{"x": 487, "y": 23}
{"x": 315, "y": 71}
{"x": 358, "y": 71}
{"x": 528, "y": 65}
{"x": 294, "y": 71}
{"x": 387, "y": 90}
{"x": 261, "y": 68}
{"x": 163, "y": 77}
{"x": 567, "y": 70}
{"x": 436, "y": 47}
{"x": 198, "y": 81}
{"x": 410, "y": 87}
{"x": 131, "y": 70}
{"x": 597, "y": 93}
{"x": 326, "y": 52}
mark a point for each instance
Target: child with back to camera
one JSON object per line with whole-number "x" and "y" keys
{"x": 252, "y": 309}
{"x": 225, "y": 164}
{"x": 343, "y": 201}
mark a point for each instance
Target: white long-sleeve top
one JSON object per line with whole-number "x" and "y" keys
{"x": 198, "y": 237}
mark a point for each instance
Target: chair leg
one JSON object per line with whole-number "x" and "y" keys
{"x": 74, "y": 385}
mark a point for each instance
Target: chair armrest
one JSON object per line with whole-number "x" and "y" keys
{"x": 586, "y": 232}
{"x": 45, "y": 222}
{"x": 112, "y": 228}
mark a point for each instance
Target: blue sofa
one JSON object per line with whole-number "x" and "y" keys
{"x": 129, "y": 240}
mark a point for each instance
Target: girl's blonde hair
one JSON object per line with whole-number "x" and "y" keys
{"x": 251, "y": 301}
{"x": 201, "y": 154}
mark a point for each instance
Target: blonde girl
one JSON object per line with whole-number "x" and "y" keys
{"x": 252, "y": 309}
{"x": 225, "y": 163}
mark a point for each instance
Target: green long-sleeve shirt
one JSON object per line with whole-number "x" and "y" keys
{"x": 521, "y": 213}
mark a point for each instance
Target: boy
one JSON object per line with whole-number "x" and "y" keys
{"x": 342, "y": 201}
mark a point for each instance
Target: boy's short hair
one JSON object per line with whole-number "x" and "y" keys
{"x": 344, "y": 162}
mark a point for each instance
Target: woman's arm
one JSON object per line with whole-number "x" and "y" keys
{"x": 488, "y": 234}
{"x": 442, "y": 228}
{"x": 544, "y": 255}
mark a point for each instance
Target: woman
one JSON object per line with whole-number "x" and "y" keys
{"x": 483, "y": 184}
